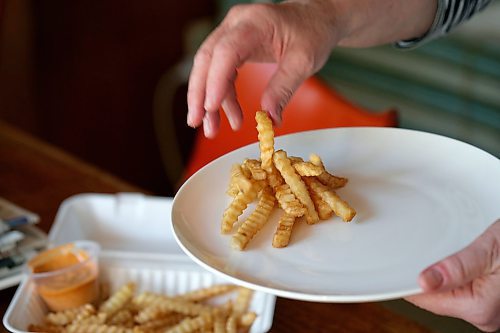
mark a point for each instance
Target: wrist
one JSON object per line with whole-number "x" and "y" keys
{"x": 368, "y": 22}
{"x": 331, "y": 15}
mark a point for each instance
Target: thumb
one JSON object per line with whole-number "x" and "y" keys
{"x": 478, "y": 259}
{"x": 289, "y": 75}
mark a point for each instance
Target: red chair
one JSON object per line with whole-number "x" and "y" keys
{"x": 315, "y": 105}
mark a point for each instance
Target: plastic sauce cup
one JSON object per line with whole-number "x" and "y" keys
{"x": 66, "y": 276}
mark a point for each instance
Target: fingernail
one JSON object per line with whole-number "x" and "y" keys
{"x": 189, "y": 120}
{"x": 276, "y": 115}
{"x": 279, "y": 116}
{"x": 433, "y": 278}
{"x": 207, "y": 128}
{"x": 234, "y": 121}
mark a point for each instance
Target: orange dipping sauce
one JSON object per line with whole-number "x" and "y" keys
{"x": 67, "y": 276}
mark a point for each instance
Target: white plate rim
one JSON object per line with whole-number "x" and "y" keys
{"x": 304, "y": 296}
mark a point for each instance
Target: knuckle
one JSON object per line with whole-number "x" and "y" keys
{"x": 244, "y": 10}
{"x": 202, "y": 56}
{"x": 241, "y": 13}
{"x": 303, "y": 65}
{"x": 224, "y": 48}
{"x": 237, "y": 12}
{"x": 308, "y": 63}
{"x": 228, "y": 53}
{"x": 455, "y": 268}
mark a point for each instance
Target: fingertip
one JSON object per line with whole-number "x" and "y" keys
{"x": 272, "y": 108}
{"x": 211, "y": 124}
{"x": 191, "y": 120}
{"x": 235, "y": 121}
{"x": 208, "y": 130}
{"x": 276, "y": 117}
{"x": 233, "y": 111}
{"x": 431, "y": 279}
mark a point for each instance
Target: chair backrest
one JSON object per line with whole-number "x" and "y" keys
{"x": 315, "y": 105}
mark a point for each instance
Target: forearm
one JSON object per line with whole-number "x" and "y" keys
{"x": 370, "y": 22}
{"x": 408, "y": 23}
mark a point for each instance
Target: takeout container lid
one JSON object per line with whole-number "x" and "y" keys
{"x": 134, "y": 232}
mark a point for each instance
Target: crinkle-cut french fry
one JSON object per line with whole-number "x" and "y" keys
{"x": 205, "y": 293}
{"x": 65, "y": 317}
{"x": 266, "y": 139}
{"x": 88, "y": 310}
{"x": 306, "y": 169}
{"x": 242, "y": 301}
{"x": 189, "y": 325}
{"x": 238, "y": 205}
{"x": 220, "y": 323}
{"x": 325, "y": 177}
{"x": 48, "y": 328}
{"x": 288, "y": 201}
{"x": 274, "y": 178}
{"x": 98, "y": 328}
{"x": 245, "y": 171}
{"x": 255, "y": 221}
{"x": 158, "y": 314}
{"x": 232, "y": 188}
{"x": 146, "y": 299}
{"x": 333, "y": 182}
{"x": 172, "y": 305}
{"x": 255, "y": 168}
{"x": 232, "y": 324}
{"x": 247, "y": 319}
{"x": 220, "y": 315}
{"x": 295, "y": 159}
{"x": 296, "y": 185}
{"x": 339, "y": 206}
{"x": 323, "y": 209}
{"x": 118, "y": 300}
{"x": 122, "y": 317}
{"x": 239, "y": 181}
{"x": 162, "y": 323}
{"x": 150, "y": 313}
{"x": 95, "y": 319}
{"x": 283, "y": 231}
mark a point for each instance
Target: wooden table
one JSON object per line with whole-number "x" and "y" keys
{"x": 39, "y": 177}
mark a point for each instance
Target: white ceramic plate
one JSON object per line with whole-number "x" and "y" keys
{"x": 419, "y": 197}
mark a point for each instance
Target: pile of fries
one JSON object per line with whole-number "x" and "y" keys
{"x": 125, "y": 312}
{"x": 302, "y": 189}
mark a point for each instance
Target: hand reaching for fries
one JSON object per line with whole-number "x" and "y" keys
{"x": 298, "y": 36}
{"x": 247, "y": 35}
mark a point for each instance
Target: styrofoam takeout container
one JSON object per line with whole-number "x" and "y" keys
{"x": 137, "y": 245}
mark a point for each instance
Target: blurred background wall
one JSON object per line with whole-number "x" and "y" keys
{"x": 82, "y": 75}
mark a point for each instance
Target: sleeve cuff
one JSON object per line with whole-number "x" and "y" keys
{"x": 433, "y": 32}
